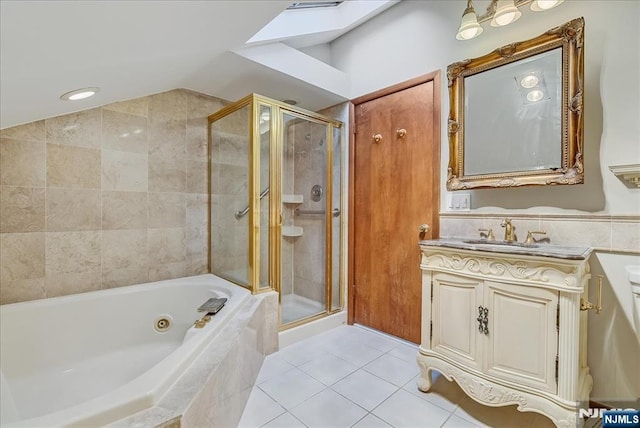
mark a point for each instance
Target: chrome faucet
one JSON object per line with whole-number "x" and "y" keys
{"x": 509, "y": 230}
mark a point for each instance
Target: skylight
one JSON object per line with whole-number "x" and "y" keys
{"x": 313, "y": 4}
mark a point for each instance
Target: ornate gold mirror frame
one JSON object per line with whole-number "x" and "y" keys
{"x": 570, "y": 37}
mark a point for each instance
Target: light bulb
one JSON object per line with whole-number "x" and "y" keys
{"x": 541, "y": 5}
{"x": 506, "y": 13}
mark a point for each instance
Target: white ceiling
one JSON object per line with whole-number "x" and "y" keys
{"x": 136, "y": 48}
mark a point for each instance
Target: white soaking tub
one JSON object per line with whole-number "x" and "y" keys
{"x": 93, "y": 358}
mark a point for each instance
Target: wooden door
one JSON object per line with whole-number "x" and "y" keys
{"x": 395, "y": 182}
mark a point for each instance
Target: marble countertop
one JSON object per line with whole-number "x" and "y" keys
{"x": 543, "y": 250}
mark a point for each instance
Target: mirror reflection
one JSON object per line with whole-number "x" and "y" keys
{"x": 515, "y": 114}
{"x": 513, "y": 120}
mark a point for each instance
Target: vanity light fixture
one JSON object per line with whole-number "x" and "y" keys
{"x": 500, "y": 13}
{"x": 79, "y": 94}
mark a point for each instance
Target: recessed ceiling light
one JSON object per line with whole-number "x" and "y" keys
{"x": 79, "y": 94}
{"x": 535, "y": 95}
{"x": 529, "y": 81}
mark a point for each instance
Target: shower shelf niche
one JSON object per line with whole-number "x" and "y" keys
{"x": 292, "y": 199}
{"x": 291, "y": 231}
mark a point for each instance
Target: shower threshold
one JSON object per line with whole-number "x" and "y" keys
{"x": 296, "y": 307}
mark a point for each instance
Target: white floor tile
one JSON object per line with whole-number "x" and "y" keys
{"x": 356, "y": 353}
{"x": 274, "y": 365}
{"x": 259, "y": 410}
{"x": 284, "y": 421}
{"x": 443, "y": 393}
{"x": 404, "y": 409}
{"x": 371, "y": 421}
{"x": 328, "y": 369}
{"x": 301, "y": 352}
{"x": 292, "y": 388}
{"x": 393, "y": 369}
{"x": 457, "y": 422}
{"x": 405, "y": 352}
{"x": 365, "y": 389}
{"x": 378, "y": 340}
{"x": 328, "y": 409}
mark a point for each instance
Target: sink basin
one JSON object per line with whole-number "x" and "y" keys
{"x": 502, "y": 243}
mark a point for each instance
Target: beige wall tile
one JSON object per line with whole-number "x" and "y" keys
{"x": 167, "y": 139}
{"x": 69, "y": 166}
{"x": 124, "y": 249}
{"x": 73, "y": 252}
{"x": 123, "y": 277}
{"x": 197, "y": 241}
{"x": 167, "y": 175}
{"x": 22, "y": 209}
{"x": 197, "y": 139}
{"x": 124, "y": 210}
{"x": 572, "y": 232}
{"x": 21, "y": 290}
{"x": 233, "y": 180}
{"x": 197, "y": 210}
{"x": 202, "y": 106}
{"x": 33, "y": 131}
{"x": 72, "y": 283}
{"x": 625, "y": 236}
{"x": 197, "y": 172}
{"x": 197, "y": 265}
{"x": 73, "y": 209}
{"x": 124, "y": 132}
{"x": 124, "y": 171}
{"x": 76, "y": 129}
{"x": 167, "y": 271}
{"x": 171, "y": 105}
{"x": 166, "y": 246}
{"x": 136, "y": 106}
{"x": 23, "y": 256}
{"x": 463, "y": 228}
{"x": 22, "y": 163}
{"x": 167, "y": 210}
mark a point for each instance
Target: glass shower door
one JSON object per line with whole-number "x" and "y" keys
{"x": 304, "y": 219}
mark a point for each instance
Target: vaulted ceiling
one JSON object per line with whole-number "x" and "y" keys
{"x": 136, "y": 48}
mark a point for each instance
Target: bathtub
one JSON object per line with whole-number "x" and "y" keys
{"x": 94, "y": 358}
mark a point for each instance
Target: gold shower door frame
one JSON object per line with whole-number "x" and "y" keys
{"x": 277, "y": 111}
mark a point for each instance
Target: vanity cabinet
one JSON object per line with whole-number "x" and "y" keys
{"x": 507, "y": 328}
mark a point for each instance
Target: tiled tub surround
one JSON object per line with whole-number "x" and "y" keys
{"x": 200, "y": 376}
{"x": 105, "y": 197}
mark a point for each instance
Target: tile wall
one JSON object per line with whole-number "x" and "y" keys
{"x": 105, "y": 197}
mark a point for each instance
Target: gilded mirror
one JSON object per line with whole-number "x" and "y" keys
{"x": 515, "y": 114}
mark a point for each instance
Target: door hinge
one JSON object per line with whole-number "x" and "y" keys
{"x": 556, "y": 369}
{"x": 558, "y": 317}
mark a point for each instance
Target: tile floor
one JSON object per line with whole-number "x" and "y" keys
{"x": 355, "y": 377}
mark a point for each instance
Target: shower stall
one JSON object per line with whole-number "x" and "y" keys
{"x": 276, "y": 222}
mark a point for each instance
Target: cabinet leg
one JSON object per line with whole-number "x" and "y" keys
{"x": 424, "y": 383}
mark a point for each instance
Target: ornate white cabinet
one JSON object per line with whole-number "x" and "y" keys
{"x": 505, "y": 323}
